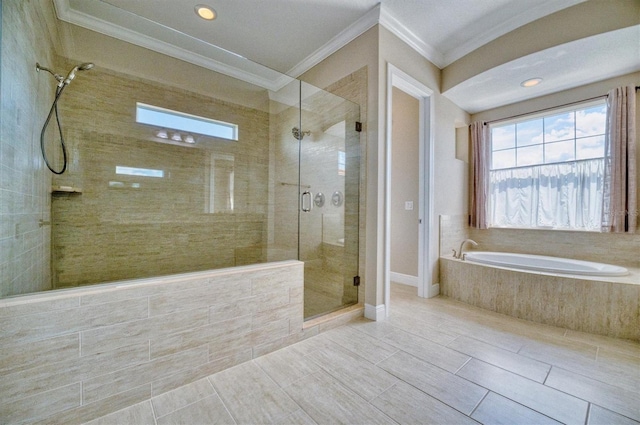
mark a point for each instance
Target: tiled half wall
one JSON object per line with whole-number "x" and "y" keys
{"x": 77, "y": 354}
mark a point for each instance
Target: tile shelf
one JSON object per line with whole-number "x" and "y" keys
{"x": 65, "y": 189}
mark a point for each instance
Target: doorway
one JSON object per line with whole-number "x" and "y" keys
{"x": 404, "y": 85}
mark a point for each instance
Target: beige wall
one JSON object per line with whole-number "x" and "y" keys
{"x": 450, "y": 174}
{"x": 28, "y": 36}
{"x": 404, "y": 183}
{"x": 375, "y": 49}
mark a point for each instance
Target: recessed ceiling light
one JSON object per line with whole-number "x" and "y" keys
{"x": 205, "y": 12}
{"x": 531, "y": 82}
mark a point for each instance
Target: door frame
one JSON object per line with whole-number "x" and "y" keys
{"x": 426, "y": 242}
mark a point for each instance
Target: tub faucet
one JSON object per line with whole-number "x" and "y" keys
{"x": 459, "y": 255}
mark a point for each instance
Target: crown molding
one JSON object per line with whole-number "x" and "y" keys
{"x": 354, "y": 30}
{"x": 429, "y": 52}
{"x": 66, "y": 13}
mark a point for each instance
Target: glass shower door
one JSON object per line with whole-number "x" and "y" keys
{"x": 329, "y": 158}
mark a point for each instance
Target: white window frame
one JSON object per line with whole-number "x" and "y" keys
{"x": 541, "y": 115}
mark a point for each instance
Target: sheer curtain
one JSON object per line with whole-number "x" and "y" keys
{"x": 620, "y": 210}
{"x": 480, "y": 163}
{"x": 566, "y": 195}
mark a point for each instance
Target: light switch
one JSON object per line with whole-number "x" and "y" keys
{"x": 408, "y": 205}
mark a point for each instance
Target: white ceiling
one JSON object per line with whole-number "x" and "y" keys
{"x": 290, "y": 36}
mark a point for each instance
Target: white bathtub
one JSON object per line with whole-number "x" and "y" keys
{"x": 545, "y": 264}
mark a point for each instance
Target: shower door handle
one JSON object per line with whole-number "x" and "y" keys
{"x": 305, "y": 201}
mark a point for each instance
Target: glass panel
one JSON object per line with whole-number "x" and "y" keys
{"x": 530, "y": 155}
{"x": 529, "y": 132}
{"x": 590, "y": 147}
{"x": 329, "y": 190}
{"x": 591, "y": 121}
{"x": 559, "y": 151}
{"x": 559, "y": 127}
{"x": 503, "y": 159}
{"x": 503, "y": 137}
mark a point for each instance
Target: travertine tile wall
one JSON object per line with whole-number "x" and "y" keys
{"x": 28, "y": 36}
{"x": 613, "y": 248}
{"x": 124, "y": 226}
{"x": 587, "y": 305}
{"x": 86, "y": 352}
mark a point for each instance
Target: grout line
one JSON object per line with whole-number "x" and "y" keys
{"x": 479, "y": 403}
{"x": 463, "y": 365}
{"x": 153, "y": 410}
{"x": 586, "y": 420}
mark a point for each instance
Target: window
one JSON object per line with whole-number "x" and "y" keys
{"x": 192, "y": 124}
{"x": 547, "y": 170}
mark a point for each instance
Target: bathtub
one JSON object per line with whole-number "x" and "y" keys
{"x": 547, "y": 290}
{"x": 545, "y": 264}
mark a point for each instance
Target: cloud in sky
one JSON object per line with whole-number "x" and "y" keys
{"x": 557, "y": 135}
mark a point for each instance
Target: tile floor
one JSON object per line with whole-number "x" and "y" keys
{"x": 434, "y": 361}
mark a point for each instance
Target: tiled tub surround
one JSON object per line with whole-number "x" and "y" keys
{"x": 601, "y": 305}
{"x": 73, "y": 355}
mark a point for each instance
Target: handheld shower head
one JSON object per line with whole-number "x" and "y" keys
{"x": 82, "y": 67}
{"x": 58, "y": 77}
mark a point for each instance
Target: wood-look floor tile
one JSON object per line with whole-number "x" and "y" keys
{"x": 139, "y": 414}
{"x": 327, "y": 401}
{"x": 617, "y": 399}
{"x": 286, "y": 366}
{"x": 168, "y": 402}
{"x": 251, "y": 395}
{"x": 375, "y": 329}
{"x": 407, "y": 405}
{"x": 496, "y": 409}
{"x": 299, "y": 417}
{"x": 209, "y": 410}
{"x": 353, "y": 371}
{"x": 601, "y": 416}
{"x": 524, "y": 366}
{"x": 555, "y": 404}
{"x": 361, "y": 343}
{"x": 436, "y": 354}
{"x": 438, "y": 383}
{"x": 421, "y": 328}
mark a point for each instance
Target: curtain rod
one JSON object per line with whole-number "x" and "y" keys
{"x": 547, "y": 109}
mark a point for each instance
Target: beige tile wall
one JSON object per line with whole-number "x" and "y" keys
{"x": 70, "y": 356}
{"x": 123, "y": 227}
{"x": 587, "y": 305}
{"x": 28, "y": 36}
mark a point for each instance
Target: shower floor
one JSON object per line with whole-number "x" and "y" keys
{"x": 316, "y": 303}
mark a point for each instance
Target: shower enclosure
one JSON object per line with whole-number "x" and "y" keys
{"x": 142, "y": 198}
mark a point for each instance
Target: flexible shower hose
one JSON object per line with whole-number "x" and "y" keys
{"x": 54, "y": 108}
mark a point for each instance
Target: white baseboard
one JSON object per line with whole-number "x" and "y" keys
{"x": 405, "y": 279}
{"x": 376, "y": 313}
{"x": 433, "y": 291}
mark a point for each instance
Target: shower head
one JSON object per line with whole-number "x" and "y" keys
{"x": 58, "y": 77}
{"x": 72, "y": 74}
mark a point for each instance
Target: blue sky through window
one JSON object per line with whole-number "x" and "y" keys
{"x": 558, "y": 137}
{"x": 166, "y": 118}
